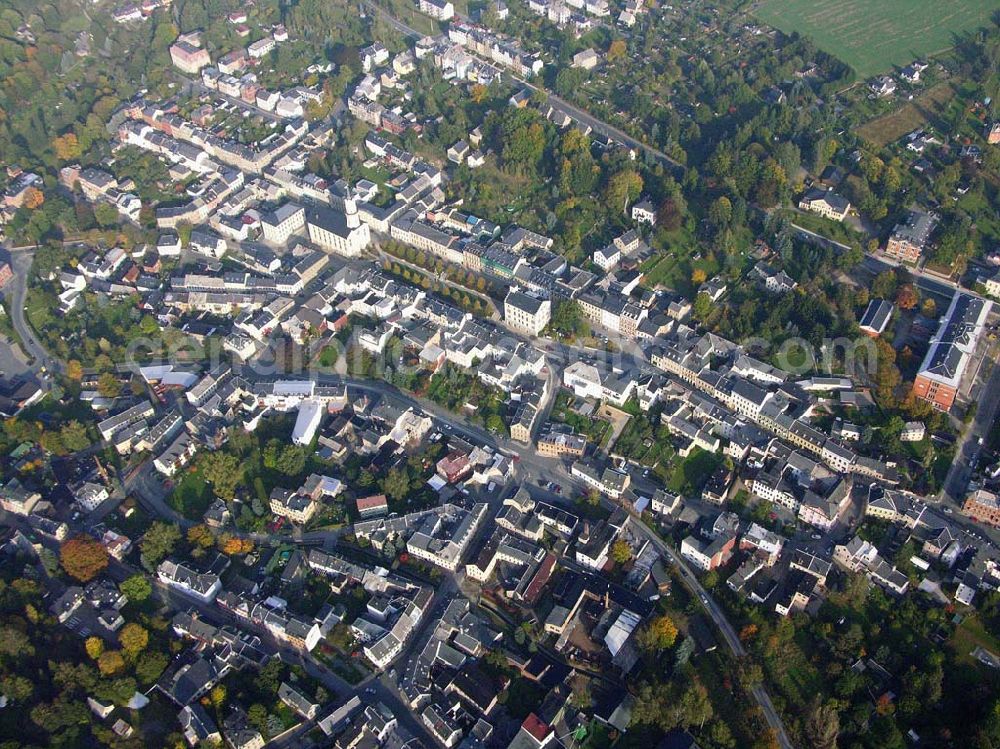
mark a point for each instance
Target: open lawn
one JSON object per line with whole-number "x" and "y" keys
{"x": 594, "y": 429}
{"x": 673, "y": 272}
{"x": 794, "y": 677}
{"x": 968, "y": 635}
{"x": 690, "y": 474}
{"x": 924, "y": 110}
{"x": 837, "y": 231}
{"x": 872, "y": 36}
{"x": 192, "y": 494}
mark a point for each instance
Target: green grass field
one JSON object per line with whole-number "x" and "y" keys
{"x": 873, "y": 35}
{"x": 925, "y": 109}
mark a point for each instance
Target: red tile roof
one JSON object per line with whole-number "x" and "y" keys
{"x": 542, "y": 575}
{"x": 534, "y": 726}
{"x": 369, "y": 503}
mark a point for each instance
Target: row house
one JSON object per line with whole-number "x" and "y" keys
{"x": 766, "y": 543}
{"x": 858, "y": 555}
{"x": 608, "y": 481}
{"x": 708, "y": 555}
{"x": 824, "y": 510}
{"x": 588, "y": 381}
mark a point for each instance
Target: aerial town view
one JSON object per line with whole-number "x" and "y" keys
{"x": 500, "y": 374}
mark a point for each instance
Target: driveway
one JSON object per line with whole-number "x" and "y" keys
{"x": 13, "y": 362}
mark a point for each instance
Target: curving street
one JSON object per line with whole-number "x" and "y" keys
{"x": 530, "y": 466}
{"x": 559, "y": 104}
{"x": 144, "y": 483}
{"x": 17, "y": 293}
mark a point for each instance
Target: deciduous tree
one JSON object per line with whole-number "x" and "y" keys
{"x": 200, "y": 535}
{"x": 14, "y": 642}
{"x": 223, "y": 471}
{"x": 158, "y": 541}
{"x": 659, "y": 634}
{"x": 233, "y": 545}
{"x": 83, "y": 557}
{"x": 623, "y": 188}
{"x": 67, "y": 147}
{"x": 133, "y": 638}
{"x": 670, "y": 216}
{"x": 396, "y": 484}
{"x": 907, "y": 296}
{"x": 137, "y": 588}
{"x": 621, "y": 552}
{"x": 16, "y": 687}
{"x": 218, "y": 696}
{"x": 108, "y": 385}
{"x": 74, "y": 436}
{"x": 822, "y": 725}
{"x": 616, "y": 50}
{"x": 149, "y": 666}
{"x": 94, "y": 646}
{"x": 110, "y": 662}
{"x": 33, "y": 198}
{"x": 702, "y": 306}
{"x": 106, "y": 215}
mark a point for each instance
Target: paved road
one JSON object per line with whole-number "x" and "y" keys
{"x": 369, "y": 689}
{"x": 599, "y": 126}
{"x": 878, "y": 262}
{"x": 926, "y": 282}
{"x": 495, "y": 316}
{"x": 968, "y": 448}
{"x": 201, "y": 88}
{"x": 719, "y": 617}
{"x": 571, "y": 110}
{"x": 530, "y": 465}
{"x": 542, "y": 469}
{"x": 550, "y": 469}
{"x": 13, "y": 361}
{"x": 814, "y": 237}
{"x": 18, "y": 291}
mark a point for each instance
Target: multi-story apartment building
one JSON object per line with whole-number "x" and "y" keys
{"x": 909, "y": 239}
{"x": 188, "y": 55}
{"x": 826, "y": 203}
{"x": 282, "y": 223}
{"x": 557, "y": 445}
{"x": 526, "y": 314}
{"x": 983, "y": 506}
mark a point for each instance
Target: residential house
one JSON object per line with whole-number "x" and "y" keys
{"x": 910, "y": 239}
{"x": 983, "y": 506}
{"x": 643, "y": 212}
{"x": 525, "y": 313}
{"x": 372, "y": 506}
{"x": 203, "y": 586}
{"x": 826, "y": 203}
{"x": 708, "y": 555}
